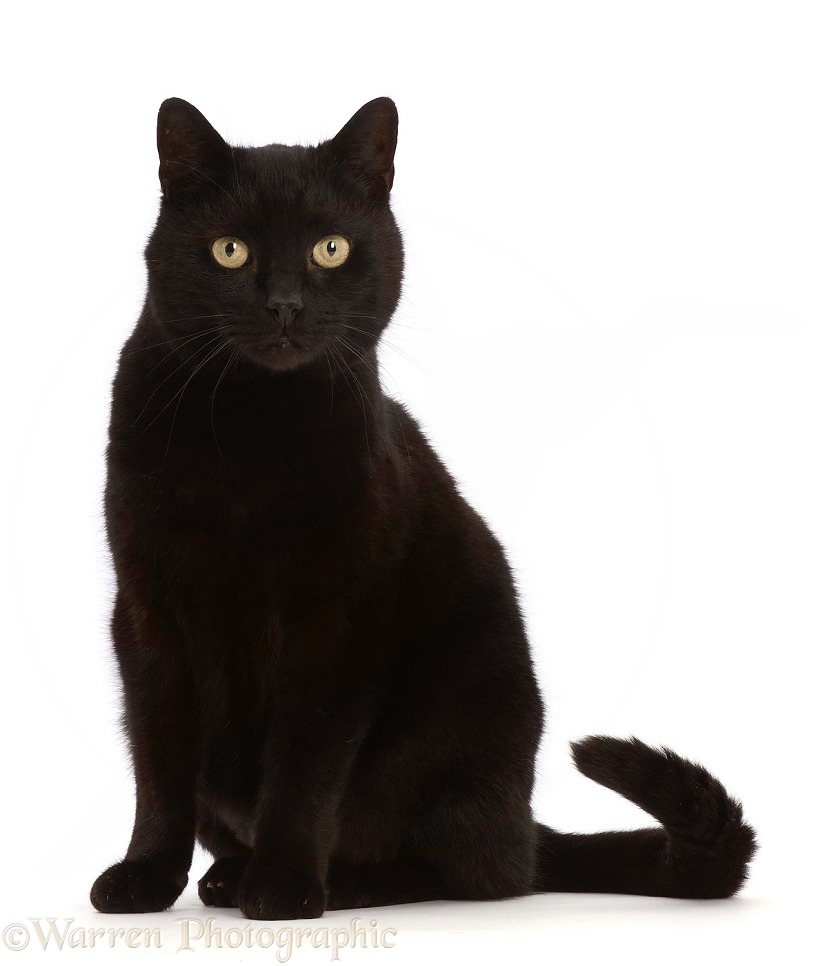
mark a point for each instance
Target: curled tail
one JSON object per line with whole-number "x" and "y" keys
{"x": 701, "y": 850}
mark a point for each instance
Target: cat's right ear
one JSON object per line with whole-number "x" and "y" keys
{"x": 366, "y": 145}
{"x": 191, "y": 151}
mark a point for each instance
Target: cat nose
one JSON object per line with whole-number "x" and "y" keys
{"x": 284, "y": 310}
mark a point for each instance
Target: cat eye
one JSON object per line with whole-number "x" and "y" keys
{"x": 331, "y": 251}
{"x": 230, "y": 252}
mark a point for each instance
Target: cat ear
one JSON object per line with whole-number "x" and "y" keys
{"x": 191, "y": 151}
{"x": 367, "y": 143}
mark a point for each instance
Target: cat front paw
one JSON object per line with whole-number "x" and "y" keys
{"x": 273, "y": 891}
{"x": 131, "y": 886}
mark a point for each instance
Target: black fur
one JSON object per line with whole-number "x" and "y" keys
{"x": 326, "y": 676}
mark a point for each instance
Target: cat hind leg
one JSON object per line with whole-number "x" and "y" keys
{"x": 221, "y": 883}
{"x": 220, "y": 886}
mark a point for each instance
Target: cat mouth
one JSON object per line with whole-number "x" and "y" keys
{"x": 282, "y": 352}
{"x": 284, "y": 344}
{"x": 280, "y": 344}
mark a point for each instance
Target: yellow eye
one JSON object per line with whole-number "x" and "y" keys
{"x": 230, "y": 252}
{"x": 331, "y": 251}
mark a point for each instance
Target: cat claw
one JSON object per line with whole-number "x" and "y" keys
{"x": 219, "y": 886}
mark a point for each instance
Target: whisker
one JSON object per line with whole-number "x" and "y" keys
{"x": 367, "y": 362}
{"x": 218, "y": 349}
{"x": 373, "y": 369}
{"x": 343, "y": 368}
{"x": 387, "y": 342}
{"x": 188, "y": 318}
{"x": 382, "y": 322}
{"x": 328, "y": 354}
{"x": 355, "y": 352}
{"x": 352, "y": 349}
{"x": 177, "y": 369}
{"x": 181, "y": 344}
{"x": 229, "y": 361}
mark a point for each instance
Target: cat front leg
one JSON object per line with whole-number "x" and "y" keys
{"x": 159, "y": 723}
{"x": 310, "y": 748}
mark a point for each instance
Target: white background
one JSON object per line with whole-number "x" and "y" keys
{"x": 606, "y": 329}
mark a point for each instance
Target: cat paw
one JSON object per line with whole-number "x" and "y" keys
{"x": 270, "y": 891}
{"x": 136, "y": 887}
{"x": 221, "y": 884}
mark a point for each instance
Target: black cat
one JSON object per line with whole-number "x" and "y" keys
{"x": 326, "y": 676}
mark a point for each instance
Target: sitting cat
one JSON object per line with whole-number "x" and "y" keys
{"x": 327, "y": 681}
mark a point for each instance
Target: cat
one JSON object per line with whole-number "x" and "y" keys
{"x": 327, "y": 681}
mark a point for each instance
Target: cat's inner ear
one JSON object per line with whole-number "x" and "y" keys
{"x": 367, "y": 144}
{"x": 191, "y": 151}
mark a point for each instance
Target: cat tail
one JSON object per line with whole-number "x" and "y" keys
{"x": 701, "y": 850}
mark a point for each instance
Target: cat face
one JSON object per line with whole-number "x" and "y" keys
{"x": 290, "y": 254}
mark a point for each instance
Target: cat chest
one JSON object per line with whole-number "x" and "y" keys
{"x": 243, "y": 620}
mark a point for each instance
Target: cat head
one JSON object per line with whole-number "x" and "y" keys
{"x": 290, "y": 253}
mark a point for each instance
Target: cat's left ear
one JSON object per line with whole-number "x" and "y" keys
{"x": 367, "y": 144}
{"x": 193, "y": 154}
